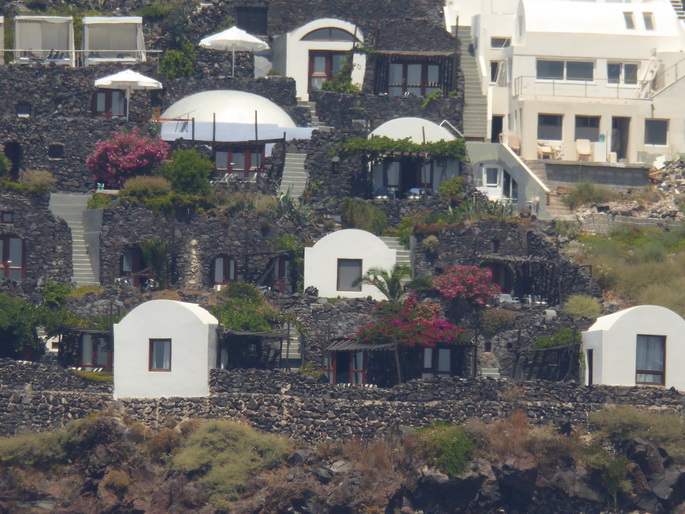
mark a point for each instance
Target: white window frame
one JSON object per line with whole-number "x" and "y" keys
{"x": 648, "y": 18}
{"x": 564, "y": 76}
{"x": 622, "y": 73}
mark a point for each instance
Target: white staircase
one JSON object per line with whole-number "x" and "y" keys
{"x": 294, "y": 175}
{"x": 490, "y": 372}
{"x": 291, "y": 355}
{"x": 678, "y": 8}
{"x": 70, "y": 208}
{"x": 403, "y": 255}
{"x": 475, "y": 102}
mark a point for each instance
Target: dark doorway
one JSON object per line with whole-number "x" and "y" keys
{"x": 14, "y": 153}
{"x": 620, "y": 130}
{"x": 497, "y": 125}
{"x": 590, "y": 367}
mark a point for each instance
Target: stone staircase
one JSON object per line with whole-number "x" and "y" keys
{"x": 291, "y": 356}
{"x": 475, "y": 102}
{"x": 70, "y": 208}
{"x": 294, "y": 175}
{"x": 555, "y": 207}
{"x": 403, "y": 255}
{"x": 678, "y": 8}
{"x": 316, "y": 122}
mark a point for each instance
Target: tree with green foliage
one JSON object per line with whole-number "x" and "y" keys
{"x": 357, "y": 213}
{"x": 18, "y": 321}
{"x": 392, "y": 284}
{"x": 188, "y": 171}
{"x": 243, "y": 307}
{"x": 178, "y": 64}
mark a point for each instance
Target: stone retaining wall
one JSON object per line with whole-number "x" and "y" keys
{"x": 302, "y": 408}
{"x": 600, "y": 223}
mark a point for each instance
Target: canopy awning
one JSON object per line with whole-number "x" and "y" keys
{"x": 113, "y": 39}
{"x": 352, "y": 345}
{"x": 228, "y": 132}
{"x": 44, "y": 39}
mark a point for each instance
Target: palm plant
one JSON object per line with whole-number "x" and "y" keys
{"x": 392, "y": 284}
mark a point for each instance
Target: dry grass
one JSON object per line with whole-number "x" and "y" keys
{"x": 379, "y": 459}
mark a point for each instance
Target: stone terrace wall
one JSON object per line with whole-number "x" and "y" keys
{"x": 47, "y": 241}
{"x": 27, "y": 376}
{"x": 300, "y": 407}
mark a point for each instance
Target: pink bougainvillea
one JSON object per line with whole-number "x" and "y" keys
{"x": 468, "y": 283}
{"x": 126, "y": 155}
{"x": 409, "y": 323}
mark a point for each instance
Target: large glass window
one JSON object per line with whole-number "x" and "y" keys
{"x": 651, "y": 360}
{"x": 223, "y": 269}
{"x": 109, "y": 103}
{"x": 413, "y": 78}
{"x": 549, "y": 127}
{"x": 349, "y": 271}
{"x": 160, "y": 354}
{"x": 11, "y": 258}
{"x": 622, "y": 73}
{"x": 587, "y": 127}
{"x": 239, "y": 159}
{"x": 437, "y": 362}
{"x": 565, "y": 70}
{"x": 656, "y": 132}
{"x": 324, "y": 66}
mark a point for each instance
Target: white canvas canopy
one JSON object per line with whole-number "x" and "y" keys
{"x": 128, "y": 80}
{"x": 44, "y": 39}
{"x": 234, "y": 39}
{"x": 113, "y": 39}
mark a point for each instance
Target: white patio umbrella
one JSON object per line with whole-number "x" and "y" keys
{"x": 128, "y": 80}
{"x": 234, "y": 39}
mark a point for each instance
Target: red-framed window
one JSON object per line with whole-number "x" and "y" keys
{"x": 160, "y": 355}
{"x": 239, "y": 159}
{"x": 109, "y": 103}
{"x": 223, "y": 270}
{"x": 11, "y": 258}
{"x": 281, "y": 278}
{"x": 437, "y": 362}
{"x": 323, "y": 66}
{"x": 650, "y": 360}
{"x": 95, "y": 352}
{"x": 133, "y": 264}
{"x": 345, "y": 367}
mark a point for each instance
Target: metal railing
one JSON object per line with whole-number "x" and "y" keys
{"x": 668, "y": 77}
{"x": 597, "y": 88}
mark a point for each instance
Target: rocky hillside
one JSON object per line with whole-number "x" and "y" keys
{"x": 110, "y": 464}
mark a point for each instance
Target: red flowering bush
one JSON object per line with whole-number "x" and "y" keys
{"x": 409, "y": 323}
{"x": 126, "y": 155}
{"x": 467, "y": 283}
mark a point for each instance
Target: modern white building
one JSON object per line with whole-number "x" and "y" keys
{"x": 164, "y": 348}
{"x": 580, "y": 81}
{"x": 642, "y": 345}
{"x": 314, "y": 52}
{"x": 334, "y": 263}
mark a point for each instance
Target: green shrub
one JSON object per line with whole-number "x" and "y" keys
{"x": 363, "y": 215}
{"x": 93, "y": 376}
{"x": 188, "y": 172}
{"x": 621, "y": 424}
{"x": 451, "y": 189}
{"x": 155, "y": 11}
{"x": 447, "y": 447}
{"x": 163, "y": 443}
{"x": 564, "y": 336}
{"x": 5, "y": 165}
{"x": 650, "y": 252}
{"x": 226, "y": 455}
{"x": 613, "y": 471}
{"x": 493, "y": 320}
{"x": 178, "y": 64}
{"x": 342, "y": 82}
{"x": 99, "y": 201}
{"x": 430, "y": 244}
{"x": 117, "y": 480}
{"x": 582, "y": 306}
{"x": 85, "y": 290}
{"x": 585, "y": 193}
{"x": 156, "y": 253}
{"x": 38, "y": 182}
{"x": 145, "y": 187}
{"x": 55, "y": 294}
{"x": 32, "y": 450}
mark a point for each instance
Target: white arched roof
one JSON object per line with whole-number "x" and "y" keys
{"x": 413, "y": 128}
{"x": 235, "y": 107}
{"x": 644, "y": 316}
{"x": 352, "y": 239}
{"x": 323, "y": 23}
{"x": 168, "y": 311}
{"x": 563, "y": 16}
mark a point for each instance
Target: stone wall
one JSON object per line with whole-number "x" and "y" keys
{"x": 304, "y": 409}
{"x": 367, "y": 112}
{"x": 46, "y": 240}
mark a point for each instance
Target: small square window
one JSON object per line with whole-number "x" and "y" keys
{"x": 656, "y": 132}
{"x": 56, "y": 151}
{"x": 500, "y": 42}
{"x": 491, "y": 177}
{"x": 587, "y": 127}
{"x": 628, "y": 18}
{"x": 349, "y": 272}
{"x": 6, "y": 217}
{"x": 23, "y": 110}
{"x": 160, "y": 355}
{"x": 651, "y": 360}
{"x": 550, "y": 127}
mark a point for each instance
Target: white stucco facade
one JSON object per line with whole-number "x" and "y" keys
{"x": 192, "y": 333}
{"x": 612, "y": 343}
{"x": 291, "y": 53}
{"x": 321, "y": 262}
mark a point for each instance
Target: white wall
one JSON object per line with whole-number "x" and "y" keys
{"x": 614, "y": 341}
{"x": 321, "y": 261}
{"x": 192, "y": 331}
{"x": 295, "y": 62}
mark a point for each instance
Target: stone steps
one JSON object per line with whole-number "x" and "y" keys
{"x": 475, "y": 102}
{"x": 316, "y": 122}
{"x": 294, "y": 175}
{"x": 70, "y": 208}
{"x": 403, "y": 255}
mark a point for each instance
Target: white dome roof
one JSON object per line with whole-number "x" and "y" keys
{"x": 413, "y": 128}
{"x": 229, "y": 107}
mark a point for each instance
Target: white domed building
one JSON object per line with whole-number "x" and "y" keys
{"x": 241, "y": 127}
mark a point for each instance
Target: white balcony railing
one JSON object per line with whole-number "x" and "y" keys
{"x": 598, "y": 88}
